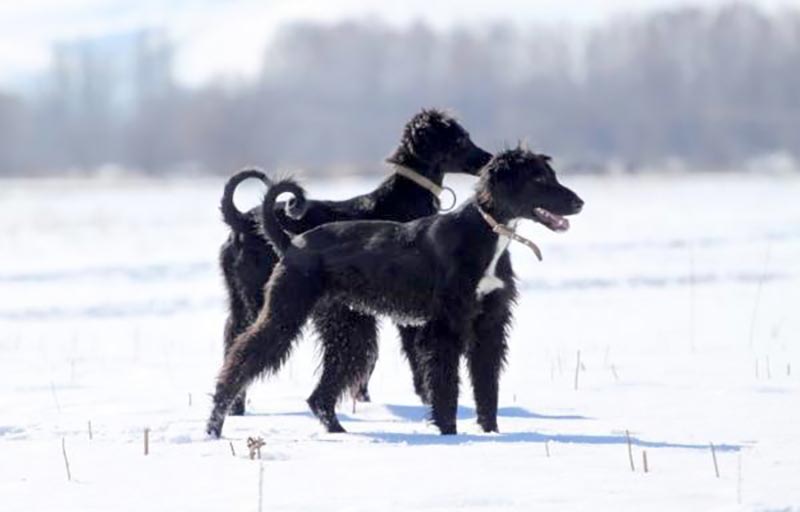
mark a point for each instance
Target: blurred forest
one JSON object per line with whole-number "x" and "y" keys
{"x": 694, "y": 88}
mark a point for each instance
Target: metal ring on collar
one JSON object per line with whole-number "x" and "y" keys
{"x": 452, "y": 205}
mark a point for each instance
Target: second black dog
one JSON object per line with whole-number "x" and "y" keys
{"x": 449, "y": 275}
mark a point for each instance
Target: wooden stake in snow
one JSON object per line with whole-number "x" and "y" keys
{"x": 644, "y": 461}
{"x": 190, "y": 399}
{"x": 147, "y": 441}
{"x": 630, "y": 450}
{"x": 547, "y": 448}
{"x": 788, "y": 369}
{"x": 233, "y": 452}
{"x": 66, "y": 460}
{"x": 260, "y": 486}
{"x": 577, "y": 370}
{"x": 90, "y": 430}
{"x": 714, "y": 456}
{"x": 614, "y": 371}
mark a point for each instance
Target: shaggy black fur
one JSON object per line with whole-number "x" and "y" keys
{"x": 432, "y": 144}
{"x": 448, "y": 274}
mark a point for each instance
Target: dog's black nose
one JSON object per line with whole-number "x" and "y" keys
{"x": 577, "y": 204}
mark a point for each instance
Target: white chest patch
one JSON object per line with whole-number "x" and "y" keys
{"x": 490, "y": 282}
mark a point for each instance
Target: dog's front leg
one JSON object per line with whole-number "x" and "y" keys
{"x": 486, "y": 356}
{"x": 440, "y": 349}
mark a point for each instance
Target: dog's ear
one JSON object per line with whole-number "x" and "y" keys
{"x": 499, "y": 164}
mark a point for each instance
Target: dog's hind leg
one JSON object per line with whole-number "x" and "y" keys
{"x": 440, "y": 349}
{"x": 234, "y": 326}
{"x": 408, "y": 337}
{"x": 266, "y": 344}
{"x": 349, "y": 344}
{"x": 487, "y": 355}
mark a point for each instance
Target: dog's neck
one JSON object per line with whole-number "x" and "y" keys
{"x": 487, "y": 205}
{"x": 505, "y": 227}
{"x": 421, "y": 180}
{"x": 430, "y": 170}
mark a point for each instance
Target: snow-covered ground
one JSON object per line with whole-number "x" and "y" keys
{"x": 680, "y": 293}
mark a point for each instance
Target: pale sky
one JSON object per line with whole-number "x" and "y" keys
{"x": 226, "y": 37}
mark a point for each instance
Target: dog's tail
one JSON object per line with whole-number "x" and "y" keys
{"x": 238, "y": 221}
{"x": 295, "y": 207}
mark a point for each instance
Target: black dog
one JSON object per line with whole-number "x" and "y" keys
{"x": 433, "y": 144}
{"x": 448, "y": 274}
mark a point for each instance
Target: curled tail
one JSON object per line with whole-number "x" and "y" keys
{"x": 295, "y": 207}
{"x": 238, "y": 221}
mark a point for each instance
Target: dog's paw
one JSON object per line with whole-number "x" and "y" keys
{"x": 489, "y": 426}
{"x": 335, "y": 428}
{"x": 214, "y": 425}
{"x": 448, "y": 430}
{"x": 213, "y": 431}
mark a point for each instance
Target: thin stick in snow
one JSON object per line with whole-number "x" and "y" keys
{"x": 644, "y": 461}
{"x": 190, "y": 399}
{"x": 630, "y": 450}
{"x": 547, "y": 448}
{"x": 758, "y": 296}
{"x": 55, "y": 396}
{"x": 146, "y": 441}
{"x": 260, "y": 486}
{"x": 769, "y": 372}
{"x": 577, "y": 370}
{"x": 90, "y": 430}
{"x": 739, "y": 479}
{"x": 614, "y": 371}
{"x": 691, "y": 299}
{"x": 233, "y": 451}
{"x": 66, "y": 460}
{"x": 714, "y": 456}
{"x": 788, "y": 369}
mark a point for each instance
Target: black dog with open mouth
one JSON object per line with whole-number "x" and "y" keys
{"x": 450, "y": 275}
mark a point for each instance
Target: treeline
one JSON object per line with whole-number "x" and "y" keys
{"x": 712, "y": 89}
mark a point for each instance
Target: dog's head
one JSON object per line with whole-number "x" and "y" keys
{"x": 517, "y": 183}
{"x": 435, "y": 143}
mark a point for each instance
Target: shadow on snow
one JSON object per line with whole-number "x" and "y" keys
{"x": 415, "y": 413}
{"x": 533, "y": 437}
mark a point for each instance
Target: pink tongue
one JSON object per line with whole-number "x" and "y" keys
{"x": 553, "y": 221}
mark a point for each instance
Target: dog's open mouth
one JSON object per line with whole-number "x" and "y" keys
{"x": 551, "y": 220}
